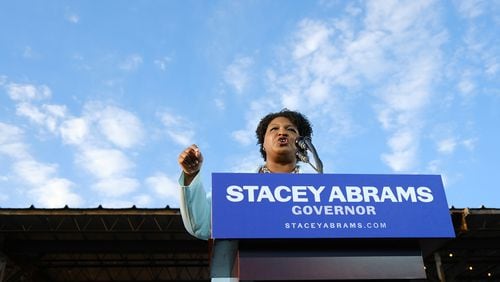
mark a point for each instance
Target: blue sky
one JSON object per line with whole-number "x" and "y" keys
{"x": 98, "y": 99}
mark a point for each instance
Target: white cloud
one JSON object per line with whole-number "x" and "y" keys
{"x": 56, "y": 193}
{"x": 434, "y": 166}
{"x": 318, "y": 92}
{"x": 92, "y": 134}
{"x": 58, "y": 111}
{"x": 104, "y": 163}
{"x": 11, "y": 143}
{"x": 178, "y": 128}
{"x": 34, "y": 172}
{"x": 15, "y": 150}
{"x": 248, "y": 163}
{"x": 116, "y": 187}
{"x": 407, "y": 42}
{"x": 143, "y": 200}
{"x": 396, "y": 16}
{"x": 474, "y": 45}
{"x": 378, "y": 54}
{"x": 28, "y": 52}
{"x": 403, "y": 150}
{"x": 74, "y": 131}
{"x": 219, "y": 103}
{"x": 162, "y": 63}
{"x": 103, "y": 125}
{"x": 310, "y": 37}
{"x": 291, "y": 101}
{"x": 10, "y": 133}
{"x": 366, "y": 57}
{"x": 446, "y": 146}
{"x": 31, "y": 112}
{"x": 470, "y": 144}
{"x": 116, "y": 203}
{"x": 492, "y": 68}
{"x": 46, "y": 189}
{"x": 466, "y": 86}
{"x": 244, "y": 137}
{"x": 72, "y": 18}
{"x": 400, "y": 160}
{"x": 28, "y": 92}
{"x": 385, "y": 116}
{"x": 402, "y": 140}
{"x": 403, "y": 104}
{"x": 120, "y": 127}
{"x": 131, "y": 63}
{"x": 171, "y": 120}
{"x": 413, "y": 90}
{"x": 471, "y": 9}
{"x": 257, "y": 109}
{"x": 315, "y": 75}
{"x": 163, "y": 186}
{"x": 47, "y": 116}
{"x": 181, "y": 138}
{"x": 237, "y": 73}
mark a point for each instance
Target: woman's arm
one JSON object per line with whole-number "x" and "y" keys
{"x": 195, "y": 208}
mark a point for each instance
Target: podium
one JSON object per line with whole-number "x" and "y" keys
{"x": 326, "y": 227}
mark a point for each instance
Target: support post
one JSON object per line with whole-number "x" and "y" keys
{"x": 224, "y": 264}
{"x": 439, "y": 267}
{"x": 3, "y": 264}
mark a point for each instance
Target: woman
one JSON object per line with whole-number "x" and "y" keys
{"x": 276, "y": 135}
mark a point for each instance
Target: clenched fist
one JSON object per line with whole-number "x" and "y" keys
{"x": 190, "y": 161}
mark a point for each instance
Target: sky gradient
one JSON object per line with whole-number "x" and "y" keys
{"x": 98, "y": 99}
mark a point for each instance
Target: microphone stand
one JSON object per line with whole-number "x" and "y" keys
{"x": 306, "y": 144}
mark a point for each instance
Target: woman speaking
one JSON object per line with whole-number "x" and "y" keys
{"x": 276, "y": 136}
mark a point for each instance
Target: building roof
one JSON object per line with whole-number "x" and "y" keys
{"x": 474, "y": 255}
{"x": 100, "y": 245}
{"x": 152, "y": 245}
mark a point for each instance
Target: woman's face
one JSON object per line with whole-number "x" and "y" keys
{"x": 279, "y": 140}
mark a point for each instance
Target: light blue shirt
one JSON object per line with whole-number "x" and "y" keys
{"x": 195, "y": 208}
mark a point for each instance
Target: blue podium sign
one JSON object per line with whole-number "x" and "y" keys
{"x": 251, "y": 205}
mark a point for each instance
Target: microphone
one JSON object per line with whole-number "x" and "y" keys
{"x": 304, "y": 144}
{"x": 302, "y": 155}
{"x": 301, "y": 143}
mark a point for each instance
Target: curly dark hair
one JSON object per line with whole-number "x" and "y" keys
{"x": 298, "y": 119}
